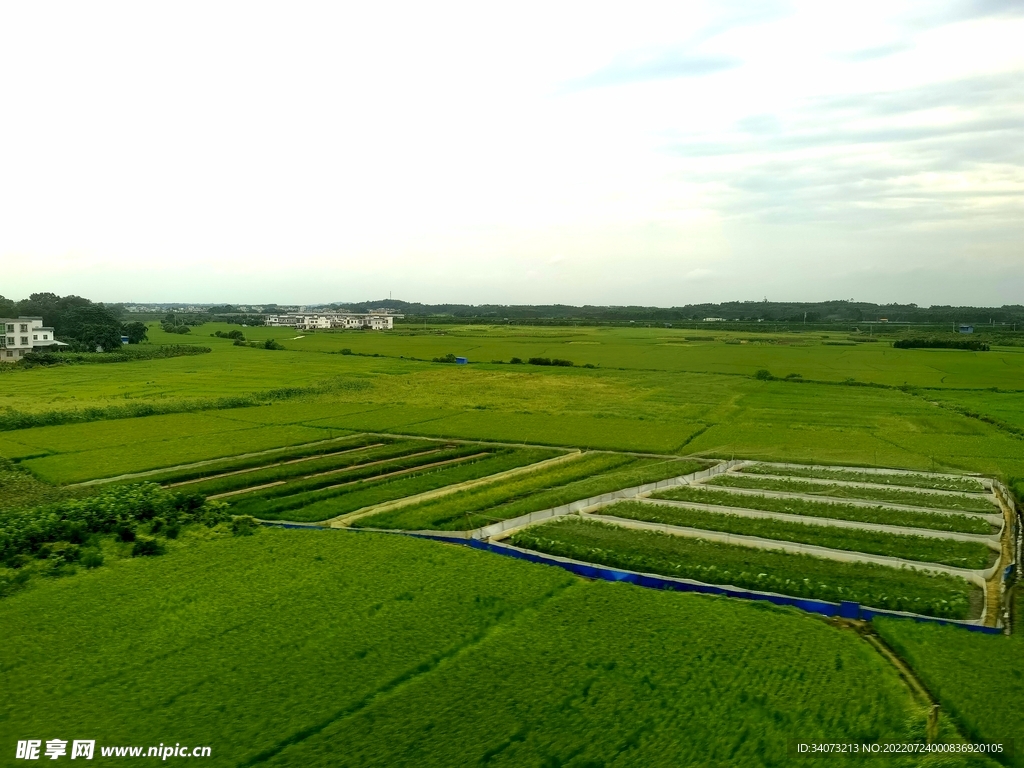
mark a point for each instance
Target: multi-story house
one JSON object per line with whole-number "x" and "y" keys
{"x": 22, "y": 335}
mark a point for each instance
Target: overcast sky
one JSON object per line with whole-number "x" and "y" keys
{"x": 662, "y": 153}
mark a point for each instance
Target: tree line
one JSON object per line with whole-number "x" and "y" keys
{"x": 79, "y": 322}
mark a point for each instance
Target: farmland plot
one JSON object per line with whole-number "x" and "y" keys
{"x": 861, "y": 551}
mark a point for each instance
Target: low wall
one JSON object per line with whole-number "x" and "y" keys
{"x": 977, "y": 577}
{"x": 984, "y": 481}
{"x": 992, "y": 541}
{"x": 505, "y": 527}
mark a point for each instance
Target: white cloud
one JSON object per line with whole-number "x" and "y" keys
{"x": 302, "y": 152}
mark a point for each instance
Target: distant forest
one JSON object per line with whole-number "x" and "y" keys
{"x": 750, "y": 311}
{"x": 83, "y": 320}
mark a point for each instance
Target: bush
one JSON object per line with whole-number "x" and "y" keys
{"x": 47, "y": 529}
{"x": 550, "y": 361}
{"x": 449, "y": 358}
{"x": 971, "y": 344}
{"x": 235, "y": 334}
{"x": 516, "y": 361}
{"x": 346, "y": 351}
{"x": 272, "y": 344}
{"x": 764, "y": 375}
{"x": 243, "y": 525}
{"x": 147, "y": 547}
{"x": 92, "y": 558}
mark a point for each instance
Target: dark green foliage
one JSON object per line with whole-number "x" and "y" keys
{"x": 234, "y": 334}
{"x": 179, "y": 329}
{"x": 975, "y": 345}
{"x": 92, "y": 558}
{"x": 764, "y": 375}
{"x": 550, "y": 361}
{"x": 449, "y": 358}
{"x": 121, "y": 355}
{"x": 748, "y": 568}
{"x": 516, "y": 361}
{"x": 116, "y": 510}
{"x": 147, "y": 547}
{"x": 135, "y": 331}
{"x": 243, "y": 525}
{"x": 272, "y": 344}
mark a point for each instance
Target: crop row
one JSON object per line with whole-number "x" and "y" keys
{"x": 715, "y": 563}
{"x": 304, "y": 490}
{"x": 589, "y": 475}
{"x": 851, "y": 475}
{"x": 961, "y": 554}
{"x": 891, "y": 495}
{"x": 291, "y": 469}
{"x": 374, "y": 491}
{"x": 264, "y": 458}
{"x": 836, "y": 510}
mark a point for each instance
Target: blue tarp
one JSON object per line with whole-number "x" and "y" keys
{"x": 846, "y": 610}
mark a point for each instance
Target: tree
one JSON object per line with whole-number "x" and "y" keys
{"x": 136, "y": 332}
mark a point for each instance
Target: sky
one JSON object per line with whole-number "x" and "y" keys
{"x": 603, "y": 153}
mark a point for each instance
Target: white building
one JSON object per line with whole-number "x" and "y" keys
{"x": 23, "y": 335}
{"x": 314, "y": 321}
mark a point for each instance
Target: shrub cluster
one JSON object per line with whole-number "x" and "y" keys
{"x": 449, "y": 358}
{"x": 937, "y": 343}
{"x": 123, "y": 355}
{"x": 64, "y": 526}
{"x": 171, "y": 328}
{"x": 550, "y": 361}
{"x": 268, "y": 344}
{"x": 235, "y": 334}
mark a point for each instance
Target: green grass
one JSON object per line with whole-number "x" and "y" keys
{"x": 956, "y": 553}
{"x": 892, "y": 495}
{"x": 580, "y": 478}
{"x": 873, "y": 514}
{"x": 849, "y": 475}
{"x": 744, "y": 567}
{"x": 401, "y": 669}
{"x": 371, "y": 492}
{"x": 636, "y": 671}
{"x": 194, "y": 634}
{"x": 979, "y": 679}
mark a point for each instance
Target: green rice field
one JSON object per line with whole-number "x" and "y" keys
{"x": 399, "y": 672}
{"x": 376, "y": 648}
